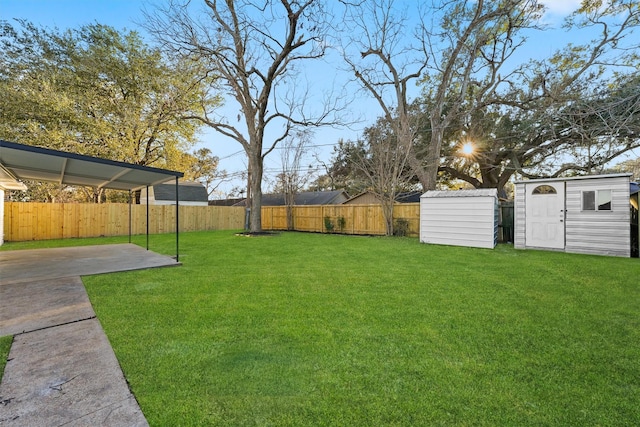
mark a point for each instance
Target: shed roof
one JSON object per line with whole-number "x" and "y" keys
{"x": 43, "y": 164}
{"x": 480, "y": 192}
{"x": 575, "y": 178}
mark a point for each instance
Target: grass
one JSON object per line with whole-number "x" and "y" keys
{"x": 310, "y": 329}
{"x": 5, "y": 346}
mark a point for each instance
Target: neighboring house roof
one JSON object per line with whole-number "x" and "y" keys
{"x": 188, "y": 192}
{"x": 409, "y": 197}
{"x": 364, "y": 198}
{"x": 336, "y": 197}
{"x": 224, "y": 202}
{"x": 367, "y": 197}
{"x": 480, "y": 192}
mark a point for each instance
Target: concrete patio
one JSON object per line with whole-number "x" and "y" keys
{"x": 61, "y": 369}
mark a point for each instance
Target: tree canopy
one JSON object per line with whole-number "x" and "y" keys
{"x": 443, "y": 73}
{"x": 100, "y": 92}
{"x": 570, "y": 113}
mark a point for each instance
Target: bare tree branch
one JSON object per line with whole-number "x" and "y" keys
{"x": 255, "y": 48}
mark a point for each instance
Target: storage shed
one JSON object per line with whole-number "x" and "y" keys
{"x": 460, "y": 218}
{"x": 586, "y": 214}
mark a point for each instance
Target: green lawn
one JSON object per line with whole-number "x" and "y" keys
{"x": 5, "y": 346}
{"x": 310, "y": 329}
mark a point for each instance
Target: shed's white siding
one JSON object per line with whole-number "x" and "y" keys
{"x": 460, "y": 218}
{"x": 598, "y": 232}
{"x": 588, "y": 232}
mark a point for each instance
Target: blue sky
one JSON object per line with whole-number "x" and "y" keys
{"x": 128, "y": 13}
{"x": 73, "y": 13}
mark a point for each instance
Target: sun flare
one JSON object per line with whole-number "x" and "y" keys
{"x": 467, "y": 148}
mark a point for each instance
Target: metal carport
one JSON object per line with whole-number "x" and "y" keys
{"x": 26, "y": 162}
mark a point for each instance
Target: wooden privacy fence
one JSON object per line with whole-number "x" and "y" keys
{"x": 363, "y": 219}
{"x": 42, "y": 221}
{"x": 347, "y": 219}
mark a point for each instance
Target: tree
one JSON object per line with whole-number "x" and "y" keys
{"x": 204, "y": 169}
{"x": 573, "y": 119}
{"x": 100, "y": 92}
{"x": 382, "y": 159}
{"x": 540, "y": 118}
{"x": 597, "y": 126}
{"x": 464, "y": 45}
{"x": 629, "y": 166}
{"x": 384, "y": 61}
{"x": 580, "y": 136}
{"x": 255, "y": 49}
{"x": 478, "y": 38}
{"x": 340, "y": 171}
{"x": 292, "y": 179}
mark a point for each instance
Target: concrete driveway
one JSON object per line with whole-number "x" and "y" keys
{"x": 61, "y": 368}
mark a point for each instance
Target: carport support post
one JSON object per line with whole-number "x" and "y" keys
{"x": 129, "y": 216}
{"x": 177, "y": 222}
{"x": 147, "y": 217}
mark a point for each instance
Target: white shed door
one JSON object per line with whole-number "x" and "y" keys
{"x": 545, "y": 215}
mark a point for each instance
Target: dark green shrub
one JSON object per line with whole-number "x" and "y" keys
{"x": 400, "y": 227}
{"x": 328, "y": 224}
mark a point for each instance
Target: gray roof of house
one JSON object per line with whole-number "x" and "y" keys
{"x": 224, "y": 202}
{"x": 304, "y": 198}
{"x": 188, "y": 192}
{"x": 408, "y": 197}
{"x": 321, "y": 197}
{"x": 405, "y": 197}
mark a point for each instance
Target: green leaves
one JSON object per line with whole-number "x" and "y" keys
{"x": 98, "y": 91}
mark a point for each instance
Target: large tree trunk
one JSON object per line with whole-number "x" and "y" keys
{"x": 430, "y": 175}
{"x": 387, "y": 211}
{"x": 255, "y": 185}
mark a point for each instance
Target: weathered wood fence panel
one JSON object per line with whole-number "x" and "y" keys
{"x": 42, "y": 221}
{"x": 347, "y": 219}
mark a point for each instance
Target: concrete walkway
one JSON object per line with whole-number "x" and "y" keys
{"x": 61, "y": 369}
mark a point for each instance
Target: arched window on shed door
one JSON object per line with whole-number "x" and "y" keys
{"x": 544, "y": 189}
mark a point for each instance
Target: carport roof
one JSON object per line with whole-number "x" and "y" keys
{"x": 43, "y": 164}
